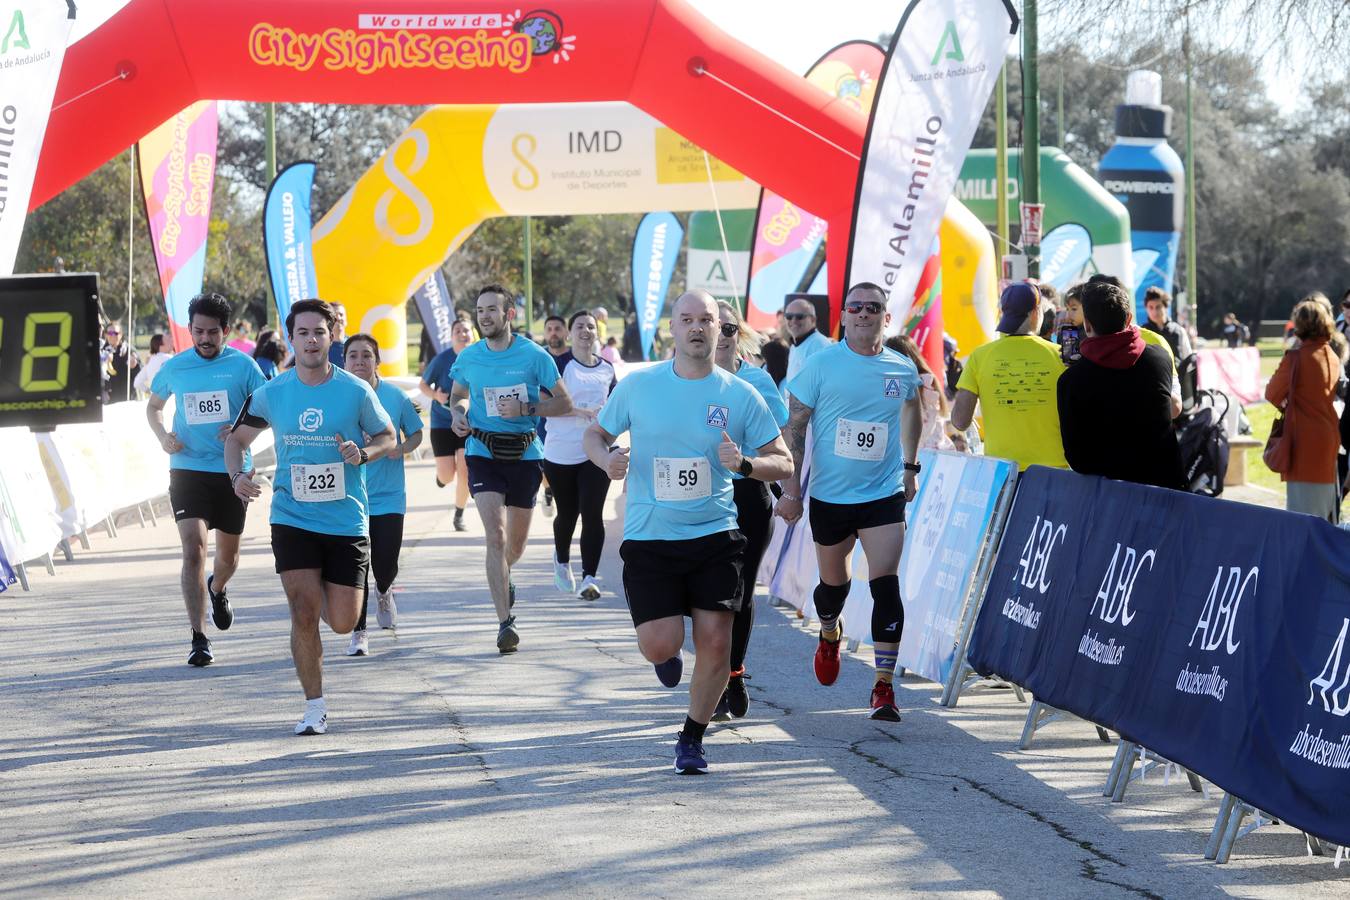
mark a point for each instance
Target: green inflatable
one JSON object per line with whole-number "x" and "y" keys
{"x": 1085, "y": 229}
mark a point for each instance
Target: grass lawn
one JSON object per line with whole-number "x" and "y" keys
{"x": 1262, "y": 416}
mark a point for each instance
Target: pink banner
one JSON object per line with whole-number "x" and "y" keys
{"x": 178, "y": 166}
{"x": 787, "y": 237}
{"x": 1236, "y": 372}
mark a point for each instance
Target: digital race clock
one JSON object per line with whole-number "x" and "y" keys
{"x": 49, "y": 350}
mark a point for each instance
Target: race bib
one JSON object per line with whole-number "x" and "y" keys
{"x": 318, "y": 483}
{"x": 206, "y": 407}
{"x": 860, "y": 440}
{"x": 681, "y": 479}
{"x": 492, "y": 394}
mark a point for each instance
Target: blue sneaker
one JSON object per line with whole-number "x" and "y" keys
{"x": 689, "y": 758}
{"x": 670, "y": 671}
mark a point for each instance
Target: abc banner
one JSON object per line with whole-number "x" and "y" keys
{"x": 787, "y": 238}
{"x": 939, "y": 73}
{"x": 178, "y": 168}
{"x": 656, "y": 246}
{"x": 1216, "y": 634}
{"x": 286, "y": 236}
{"x": 436, "y": 306}
{"x": 32, "y": 45}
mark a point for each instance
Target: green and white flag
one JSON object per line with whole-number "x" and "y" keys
{"x": 939, "y": 73}
{"x": 33, "y": 36}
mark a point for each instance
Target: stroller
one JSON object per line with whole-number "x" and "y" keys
{"x": 1204, "y": 443}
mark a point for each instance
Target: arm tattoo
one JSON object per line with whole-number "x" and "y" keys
{"x": 799, "y": 416}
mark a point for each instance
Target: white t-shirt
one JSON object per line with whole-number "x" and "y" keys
{"x": 589, "y": 388}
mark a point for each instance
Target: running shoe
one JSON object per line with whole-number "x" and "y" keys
{"x": 738, "y": 700}
{"x": 201, "y": 652}
{"x": 314, "y": 722}
{"x": 689, "y": 758}
{"x": 670, "y": 671}
{"x": 589, "y": 589}
{"x": 511, "y": 594}
{"x": 360, "y": 644}
{"x": 221, "y": 614}
{"x": 459, "y": 521}
{"x": 827, "y": 658}
{"x": 508, "y": 639}
{"x": 723, "y": 712}
{"x": 386, "y": 610}
{"x": 548, "y": 503}
{"x": 883, "y": 703}
{"x": 563, "y": 579}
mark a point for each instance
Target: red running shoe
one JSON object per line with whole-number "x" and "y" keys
{"x": 827, "y": 658}
{"x": 883, "y": 703}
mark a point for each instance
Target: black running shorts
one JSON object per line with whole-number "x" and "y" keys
{"x": 207, "y": 496}
{"x": 517, "y": 479}
{"x": 672, "y": 578}
{"x": 444, "y": 442}
{"x": 340, "y": 559}
{"x": 835, "y": 522}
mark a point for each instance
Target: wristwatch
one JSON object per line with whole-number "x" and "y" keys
{"x": 365, "y": 458}
{"x": 746, "y": 467}
{"x": 913, "y": 467}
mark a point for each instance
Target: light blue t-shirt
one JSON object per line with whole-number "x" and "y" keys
{"x": 322, "y": 494}
{"x": 518, "y": 371}
{"x": 760, "y": 381}
{"x": 437, "y": 375}
{"x": 385, "y": 486}
{"x": 210, "y": 394}
{"x": 677, "y": 487}
{"x": 855, "y": 447}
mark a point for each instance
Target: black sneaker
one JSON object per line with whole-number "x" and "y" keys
{"x": 511, "y": 601}
{"x": 508, "y": 639}
{"x": 221, "y": 614}
{"x": 722, "y": 713}
{"x": 738, "y": 700}
{"x": 459, "y": 521}
{"x": 201, "y": 651}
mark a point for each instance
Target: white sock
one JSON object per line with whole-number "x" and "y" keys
{"x": 316, "y": 705}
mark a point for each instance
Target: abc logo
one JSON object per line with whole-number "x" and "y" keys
{"x": 311, "y": 419}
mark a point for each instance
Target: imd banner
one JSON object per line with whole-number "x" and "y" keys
{"x": 436, "y": 306}
{"x": 178, "y": 169}
{"x": 939, "y": 73}
{"x": 286, "y": 236}
{"x": 656, "y": 246}
{"x": 1215, "y": 634}
{"x": 32, "y": 46}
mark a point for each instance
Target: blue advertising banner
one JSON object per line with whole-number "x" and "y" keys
{"x": 656, "y": 246}
{"x": 286, "y": 236}
{"x": 948, "y": 524}
{"x": 436, "y": 306}
{"x": 1210, "y": 632}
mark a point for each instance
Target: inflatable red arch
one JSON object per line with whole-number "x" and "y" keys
{"x": 155, "y": 57}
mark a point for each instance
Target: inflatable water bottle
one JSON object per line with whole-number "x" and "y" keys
{"x": 1145, "y": 174}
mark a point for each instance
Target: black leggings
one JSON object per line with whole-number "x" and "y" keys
{"x": 386, "y": 540}
{"x": 754, "y": 518}
{"x": 579, "y": 490}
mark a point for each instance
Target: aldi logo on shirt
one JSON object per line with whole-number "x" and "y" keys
{"x": 892, "y": 388}
{"x": 717, "y": 416}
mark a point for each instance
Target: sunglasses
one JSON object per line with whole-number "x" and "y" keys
{"x": 792, "y": 317}
{"x": 730, "y": 329}
{"x": 871, "y": 307}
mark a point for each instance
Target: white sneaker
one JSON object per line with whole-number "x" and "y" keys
{"x": 563, "y": 579}
{"x": 548, "y": 503}
{"x": 360, "y": 644}
{"x": 590, "y": 590}
{"x": 386, "y": 611}
{"x": 314, "y": 722}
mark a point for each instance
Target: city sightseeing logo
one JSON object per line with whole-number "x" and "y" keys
{"x": 311, "y": 420}
{"x": 382, "y": 41}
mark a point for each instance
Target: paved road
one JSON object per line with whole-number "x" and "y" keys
{"x": 449, "y": 769}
